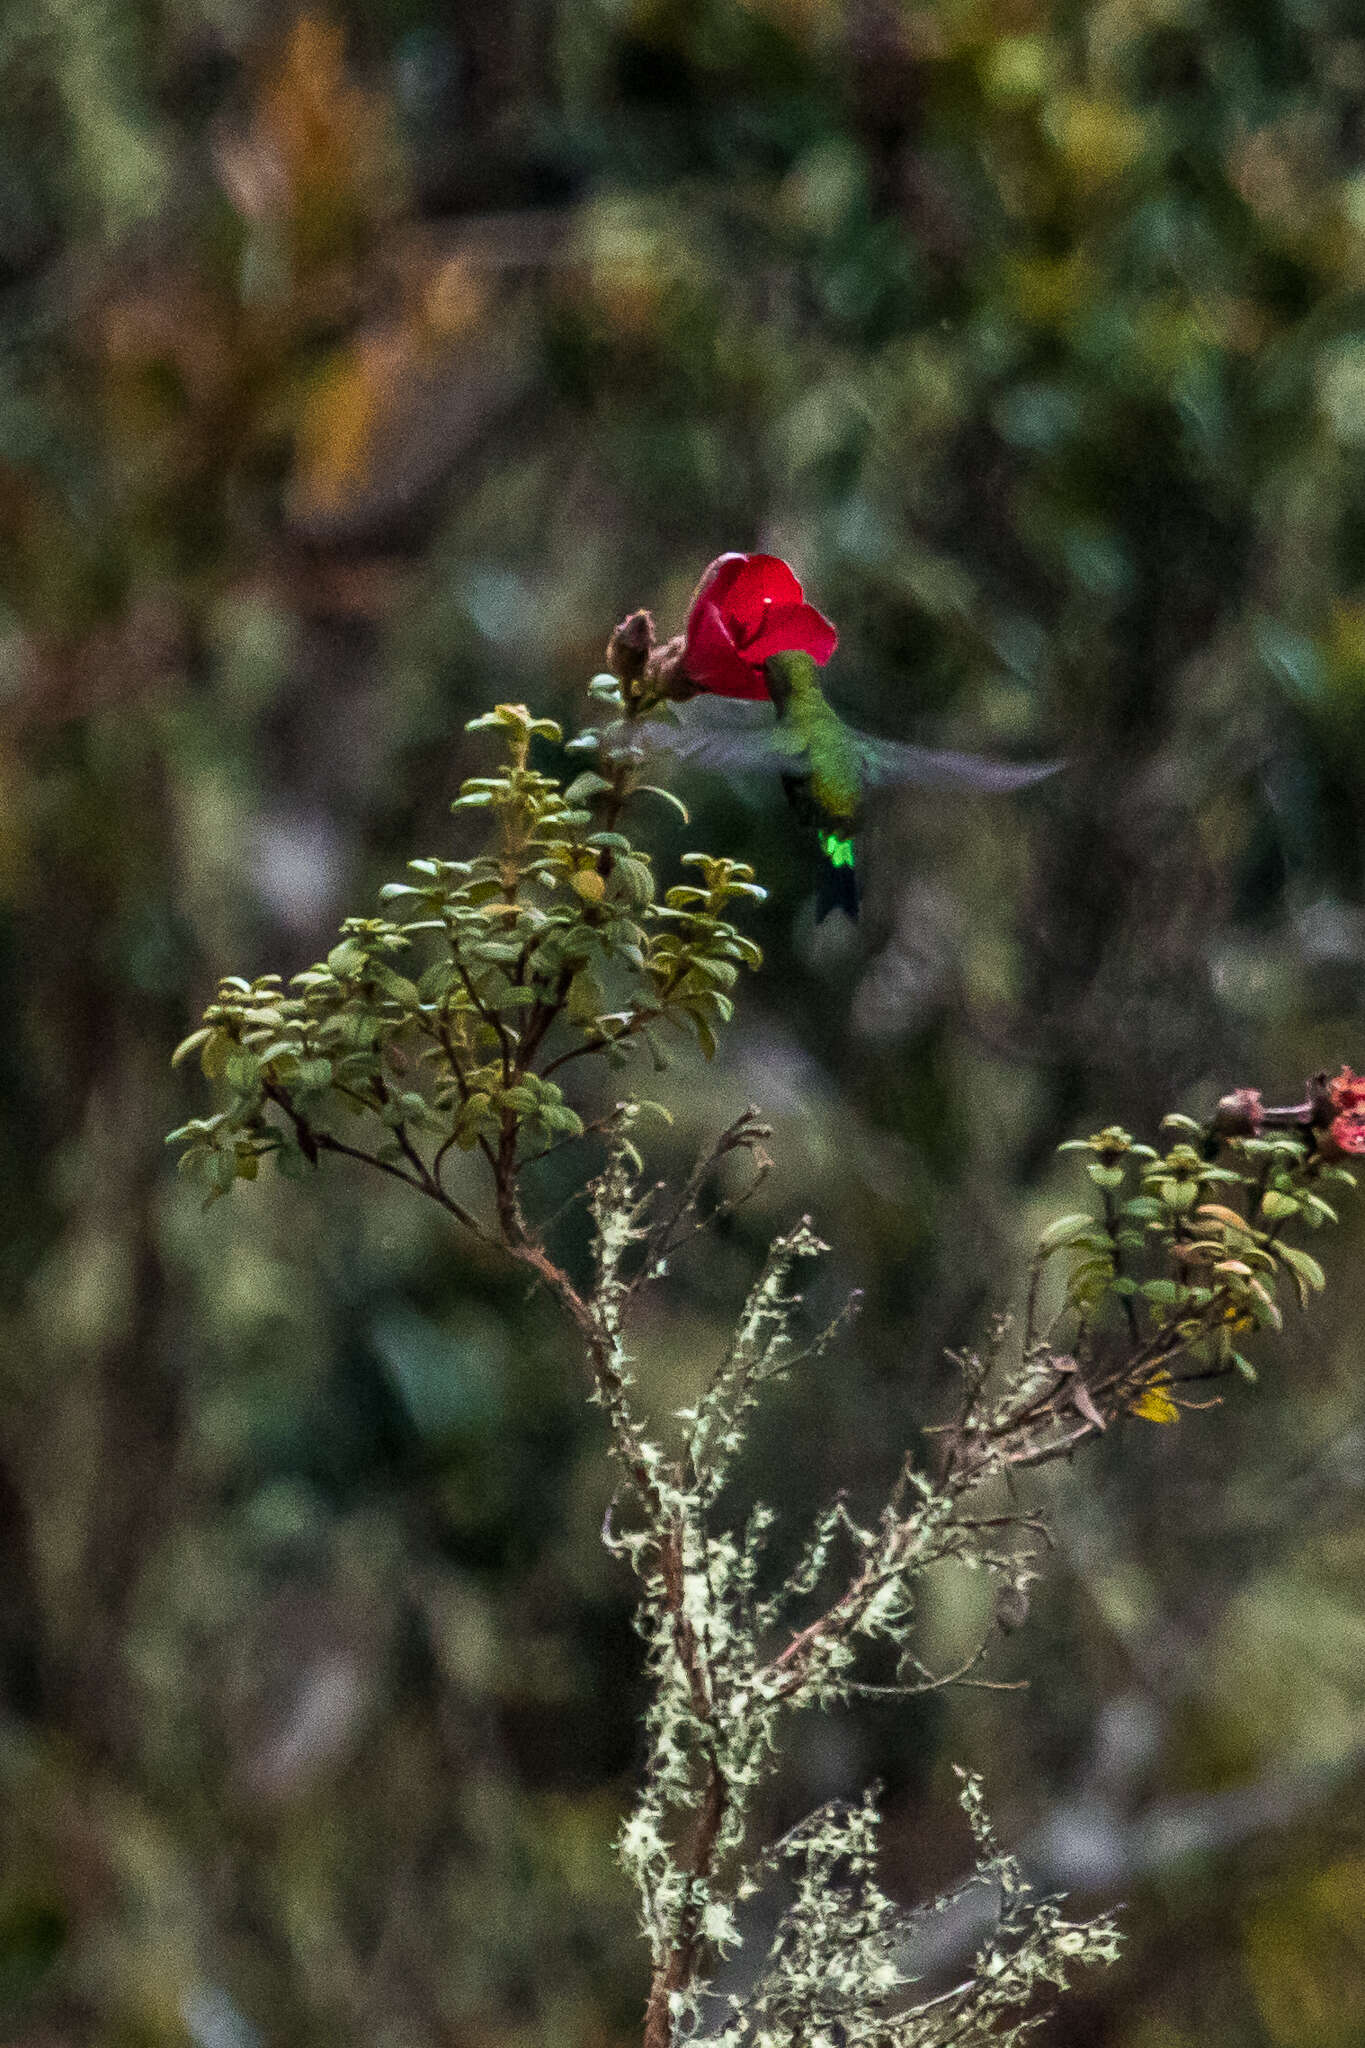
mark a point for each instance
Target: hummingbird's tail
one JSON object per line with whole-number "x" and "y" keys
{"x": 838, "y": 886}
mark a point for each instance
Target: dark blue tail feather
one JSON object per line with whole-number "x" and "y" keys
{"x": 837, "y": 890}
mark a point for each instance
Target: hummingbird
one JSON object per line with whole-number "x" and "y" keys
{"x": 825, "y": 766}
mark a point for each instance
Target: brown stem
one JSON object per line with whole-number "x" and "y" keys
{"x": 596, "y": 1342}
{"x": 543, "y": 1017}
{"x": 491, "y": 1018}
{"x": 312, "y": 1142}
{"x": 745, "y": 1134}
{"x": 1111, "y": 1225}
{"x": 638, "y": 1023}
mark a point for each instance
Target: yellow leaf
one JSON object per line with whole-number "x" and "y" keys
{"x": 590, "y": 885}
{"x": 1154, "y": 1404}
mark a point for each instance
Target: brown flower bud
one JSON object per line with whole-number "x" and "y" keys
{"x": 630, "y": 647}
{"x": 1240, "y": 1114}
{"x": 667, "y": 674}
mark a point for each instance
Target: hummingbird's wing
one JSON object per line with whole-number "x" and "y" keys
{"x": 739, "y": 738}
{"x": 734, "y": 737}
{"x": 895, "y": 764}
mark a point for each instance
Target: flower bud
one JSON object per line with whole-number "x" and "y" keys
{"x": 630, "y": 647}
{"x": 667, "y": 674}
{"x": 1240, "y": 1114}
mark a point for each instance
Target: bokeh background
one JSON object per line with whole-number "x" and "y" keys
{"x": 359, "y": 368}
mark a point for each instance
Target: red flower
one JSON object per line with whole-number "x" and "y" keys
{"x": 746, "y": 608}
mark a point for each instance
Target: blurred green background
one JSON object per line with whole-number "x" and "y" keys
{"x": 358, "y": 369}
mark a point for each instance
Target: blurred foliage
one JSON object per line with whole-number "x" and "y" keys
{"x": 361, "y": 368}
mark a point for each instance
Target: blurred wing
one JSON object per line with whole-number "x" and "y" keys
{"x": 737, "y": 738}
{"x": 894, "y": 764}
{"x": 734, "y": 738}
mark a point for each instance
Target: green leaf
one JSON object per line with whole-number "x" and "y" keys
{"x": 1275, "y": 1205}
{"x": 1099, "y": 1267}
{"x": 436, "y": 980}
{"x": 214, "y": 1057}
{"x": 635, "y": 881}
{"x": 191, "y": 1044}
{"x": 1063, "y": 1231}
{"x": 346, "y": 959}
{"x": 395, "y": 986}
{"x": 1106, "y": 1176}
{"x": 278, "y": 1049}
{"x": 586, "y": 997}
{"x": 559, "y": 1117}
{"x": 585, "y": 786}
{"x": 1308, "y": 1274}
{"x": 706, "y": 1038}
{"x": 653, "y": 789}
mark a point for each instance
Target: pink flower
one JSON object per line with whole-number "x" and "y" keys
{"x": 1345, "y": 1135}
{"x": 1347, "y": 1092}
{"x": 746, "y": 608}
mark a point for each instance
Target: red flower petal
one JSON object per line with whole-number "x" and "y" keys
{"x": 762, "y": 580}
{"x": 741, "y": 585}
{"x": 793, "y": 627}
{"x": 712, "y": 660}
{"x": 716, "y": 580}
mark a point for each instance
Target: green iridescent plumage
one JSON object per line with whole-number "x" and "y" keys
{"x": 827, "y": 789}
{"x": 830, "y": 747}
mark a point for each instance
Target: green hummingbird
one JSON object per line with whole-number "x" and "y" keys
{"x": 825, "y": 766}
